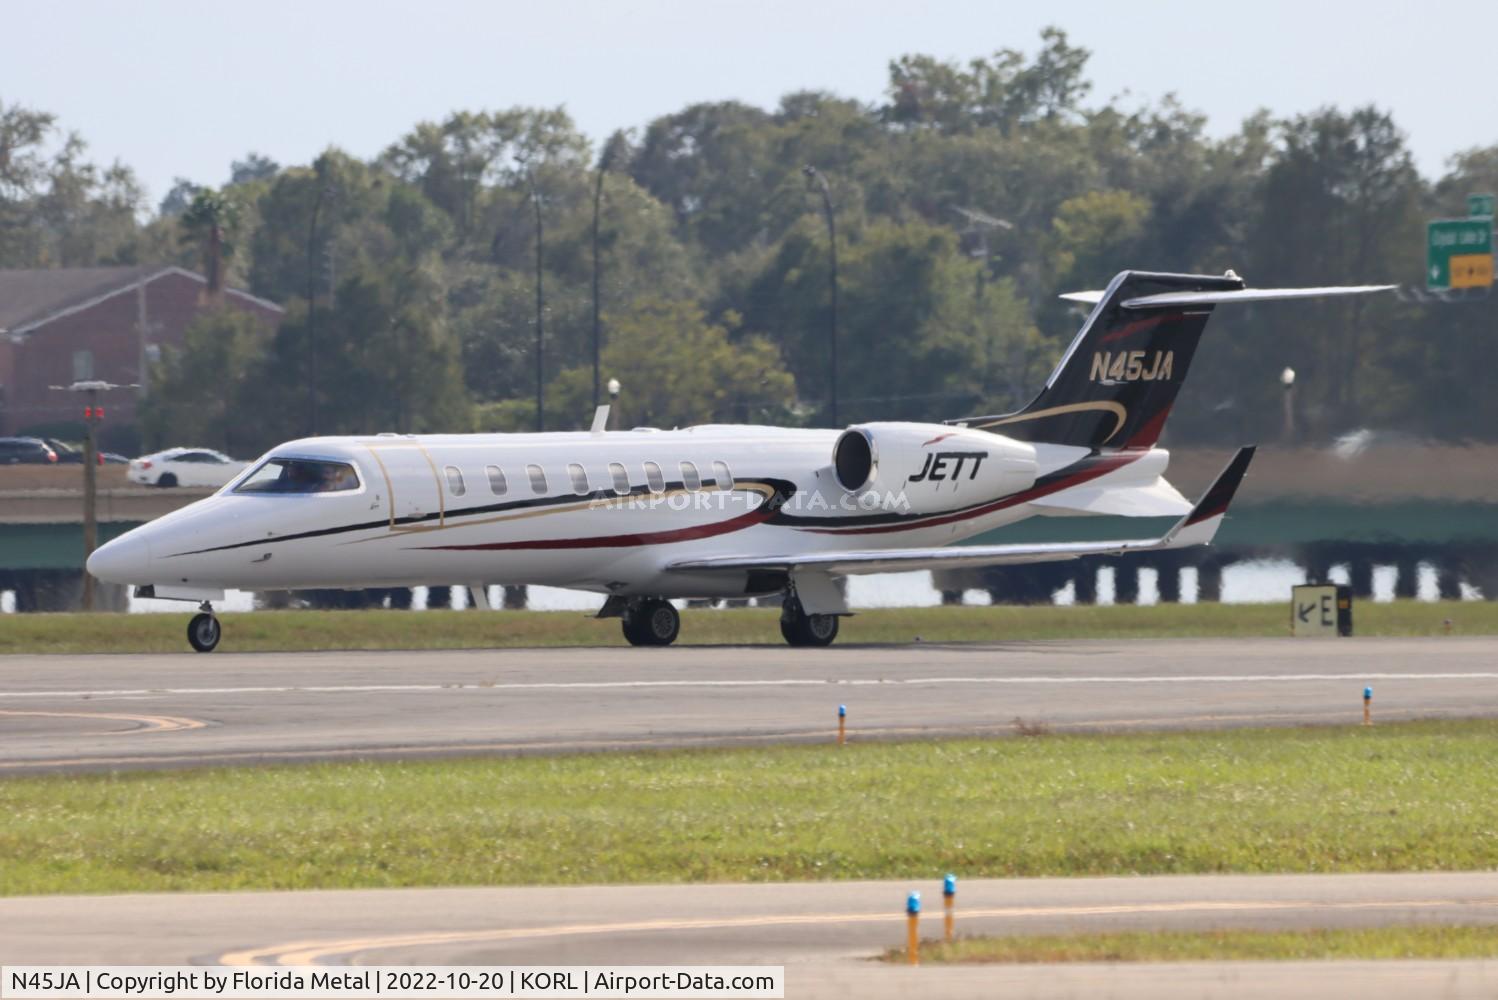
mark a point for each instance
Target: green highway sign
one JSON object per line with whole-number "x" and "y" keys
{"x": 1459, "y": 254}
{"x": 1480, "y": 204}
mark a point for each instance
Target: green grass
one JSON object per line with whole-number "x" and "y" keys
{"x": 1423, "y": 942}
{"x": 1415, "y": 796}
{"x": 281, "y": 631}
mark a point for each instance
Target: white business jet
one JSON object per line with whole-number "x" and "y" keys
{"x": 715, "y": 511}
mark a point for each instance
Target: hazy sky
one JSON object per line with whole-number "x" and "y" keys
{"x": 182, "y": 88}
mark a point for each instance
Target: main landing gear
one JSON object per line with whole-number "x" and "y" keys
{"x": 204, "y": 631}
{"x": 651, "y": 622}
{"x": 802, "y": 629}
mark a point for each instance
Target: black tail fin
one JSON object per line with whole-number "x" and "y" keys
{"x": 1118, "y": 380}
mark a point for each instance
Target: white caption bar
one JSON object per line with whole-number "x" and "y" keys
{"x": 314, "y": 982}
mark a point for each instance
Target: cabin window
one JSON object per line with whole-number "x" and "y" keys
{"x": 689, "y": 477}
{"x": 538, "y": 478}
{"x": 621, "y": 478}
{"x": 579, "y": 478}
{"x": 723, "y": 476}
{"x": 455, "y": 481}
{"x": 299, "y": 475}
{"x": 497, "y": 484}
{"x": 654, "y": 478}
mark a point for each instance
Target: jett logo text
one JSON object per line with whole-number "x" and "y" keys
{"x": 949, "y": 465}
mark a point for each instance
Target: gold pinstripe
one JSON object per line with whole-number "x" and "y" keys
{"x": 1117, "y": 409}
{"x": 389, "y": 489}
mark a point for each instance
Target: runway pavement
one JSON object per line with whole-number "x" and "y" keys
{"x": 141, "y": 711}
{"x": 825, "y": 934}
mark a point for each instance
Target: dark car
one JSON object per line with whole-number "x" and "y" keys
{"x": 69, "y": 455}
{"x": 26, "y": 451}
{"x": 66, "y": 453}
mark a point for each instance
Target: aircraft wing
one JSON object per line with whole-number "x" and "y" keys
{"x": 1196, "y": 528}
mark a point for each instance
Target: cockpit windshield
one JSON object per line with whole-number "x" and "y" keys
{"x": 299, "y": 475}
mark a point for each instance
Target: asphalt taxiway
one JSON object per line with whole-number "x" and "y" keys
{"x": 825, "y": 934}
{"x": 60, "y": 713}
{"x": 150, "y": 711}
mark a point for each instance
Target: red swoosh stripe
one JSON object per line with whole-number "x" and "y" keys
{"x": 1101, "y": 467}
{"x": 739, "y": 523}
{"x": 1139, "y": 324}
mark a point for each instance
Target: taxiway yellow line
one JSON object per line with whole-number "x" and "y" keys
{"x": 312, "y": 952}
{"x": 148, "y": 723}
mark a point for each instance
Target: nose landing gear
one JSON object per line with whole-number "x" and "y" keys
{"x": 204, "y": 631}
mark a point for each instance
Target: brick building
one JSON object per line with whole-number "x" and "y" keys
{"x": 61, "y": 325}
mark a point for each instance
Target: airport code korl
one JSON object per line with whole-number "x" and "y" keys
{"x": 97, "y": 982}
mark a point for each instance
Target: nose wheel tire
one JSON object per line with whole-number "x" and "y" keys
{"x": 203, "y": 632}
{"x": 801, "y": 629}
{"x": 653, "y": 623}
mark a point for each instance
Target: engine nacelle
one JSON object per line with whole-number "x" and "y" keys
{"x": 926, "y": 468}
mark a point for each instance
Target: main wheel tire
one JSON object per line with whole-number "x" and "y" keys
{"x": 801, "y": 629}
{"x": 167, "y": 480}
{"x": 204, "y": 632}
{"x": 653, "y": 623}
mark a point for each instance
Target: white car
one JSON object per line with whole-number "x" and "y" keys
{"x": 184, "y": 467}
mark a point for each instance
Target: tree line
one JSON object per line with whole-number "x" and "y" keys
{"x": 966, "y": 200}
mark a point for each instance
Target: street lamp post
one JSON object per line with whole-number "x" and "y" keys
{"x": 93, "y": 416}
{"x": 979, "y": 225}
{"x": 603, "y": 167}
{"x": 530, "y": 179}
{"x": 812, "y": 173}
{"x": 1287, "y": 379}
{"x": 323, "y": 191}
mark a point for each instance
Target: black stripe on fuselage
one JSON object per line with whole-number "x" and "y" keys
{"x": 780, "y": 492}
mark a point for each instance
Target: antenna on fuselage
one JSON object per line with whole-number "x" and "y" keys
{"x": 601, "y": 415}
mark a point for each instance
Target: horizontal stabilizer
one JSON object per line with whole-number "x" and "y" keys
{"x": 1175, "y": 299}
{"x": 1165, "y": 299}
{"x": 1197, "y": 528}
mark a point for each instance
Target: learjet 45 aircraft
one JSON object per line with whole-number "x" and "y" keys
{"x": 716, "y": 511}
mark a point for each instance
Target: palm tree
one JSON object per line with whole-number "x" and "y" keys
{"x": 212, "y": 220}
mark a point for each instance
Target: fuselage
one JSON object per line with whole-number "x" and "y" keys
{"x": 603, "y": 512}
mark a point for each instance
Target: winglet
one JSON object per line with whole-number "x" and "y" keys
{"x": 1201, "y": 524}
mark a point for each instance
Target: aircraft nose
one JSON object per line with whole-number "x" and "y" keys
{"x": 127, "y": 559}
